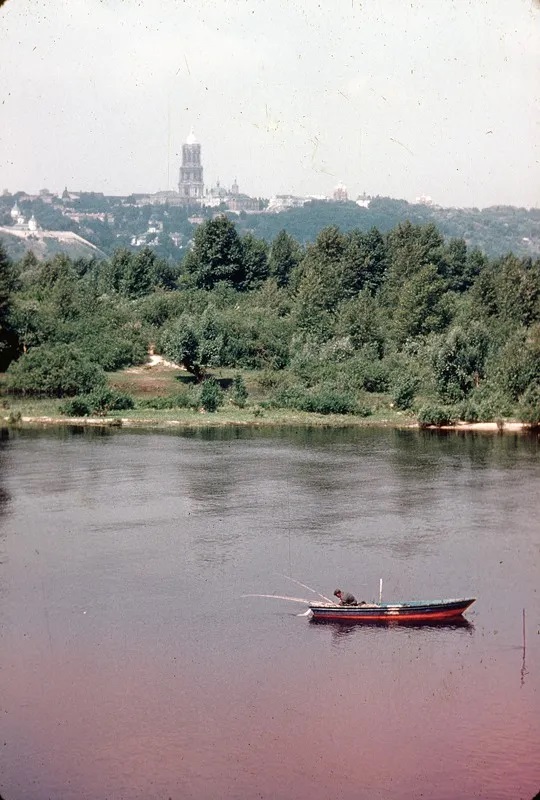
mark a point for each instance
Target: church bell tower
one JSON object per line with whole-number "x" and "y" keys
{"x": 191, "y": 185}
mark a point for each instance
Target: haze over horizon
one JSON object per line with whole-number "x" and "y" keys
{"x": 431, "y": 98}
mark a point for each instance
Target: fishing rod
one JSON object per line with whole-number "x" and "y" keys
{"x": 305, "y": 586}
{"x": 279, "y": 597}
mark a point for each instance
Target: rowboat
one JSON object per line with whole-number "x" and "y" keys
{"x": 433, "y": 610}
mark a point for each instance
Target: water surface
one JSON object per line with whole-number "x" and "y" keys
{"x": 132, "y": 668}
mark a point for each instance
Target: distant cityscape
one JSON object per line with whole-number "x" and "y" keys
{"x": 198, "y": 200}
{"x": 192, "y": 192}
{"x": 94, "y": 224}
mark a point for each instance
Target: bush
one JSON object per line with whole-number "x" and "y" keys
{"x": 269, "y": 379}
{"x": 103, "y": 400}
{"x": 54, "y": 370}
{"x": 435, "y": 415}
{"x": 529, "y": 406}
{"x": 239, "y": 392}
{"x": 211, "y": 395}
{"x": 323, "y": 401}
{"x": 187, "y": 399}
{"x": 76, "y": 407}
{"x": 375, "y": 377}
{"x": 469, "y": 411}
{"x": 492, "y": 402}
{"x": 404, "y": 392}
{"x": 99, "y": 402}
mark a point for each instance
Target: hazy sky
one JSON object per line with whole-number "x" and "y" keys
{"x": 399, "y": 98}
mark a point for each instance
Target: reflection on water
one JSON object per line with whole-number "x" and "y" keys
{"x": 425, "y": 627}
{"x": 131, "y": 667}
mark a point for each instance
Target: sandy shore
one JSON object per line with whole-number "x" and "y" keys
{"x": 205, "y": 419}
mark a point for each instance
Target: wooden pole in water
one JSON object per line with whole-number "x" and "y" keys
{"x": 380, "y": 590}
{"x": 523, "y": 667}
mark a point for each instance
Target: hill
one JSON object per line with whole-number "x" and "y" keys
{"x": 45, "y": 244}
{"x": 496, "y": 230}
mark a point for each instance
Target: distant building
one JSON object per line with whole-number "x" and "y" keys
{"x": 282, "y": 202}
{"x": 16, "y": 215}
{"x": 19, "y": 221}
{"x": 155, "y": 225}
{"x": 424, "y": 200}
{"x": 340, "y": 194}
{"x": 167, "y": 198}
{"x": 242, "y": 202}
{"x": 363, "y": 200}
{"x": 191, "y": 184}
{"x": 215, "y": 196}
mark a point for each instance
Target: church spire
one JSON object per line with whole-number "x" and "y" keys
{"x": 191, "y": 185}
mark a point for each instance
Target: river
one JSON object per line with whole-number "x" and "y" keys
{"x": 132, "y": 667}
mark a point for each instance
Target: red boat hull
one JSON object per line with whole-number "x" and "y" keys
{"x": 392, "y": 612}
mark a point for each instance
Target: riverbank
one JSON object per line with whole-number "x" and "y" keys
{"x": 159, "y": 379}
{"x": 279, "y": 418}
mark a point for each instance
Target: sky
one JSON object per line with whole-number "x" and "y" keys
{"x": 401, "y": 98}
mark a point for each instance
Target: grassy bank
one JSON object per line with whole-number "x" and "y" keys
{"x": 154, "y": 383}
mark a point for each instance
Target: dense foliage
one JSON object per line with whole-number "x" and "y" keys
{"x": 355, "y": 321}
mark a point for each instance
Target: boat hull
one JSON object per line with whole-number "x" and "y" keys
{"x": 390, "y": 612}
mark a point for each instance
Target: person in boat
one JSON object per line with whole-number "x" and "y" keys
{"x": 345, "y": 598}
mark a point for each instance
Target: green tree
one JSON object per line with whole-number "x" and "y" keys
{"x": 217, "y": 255}
{"x": 320, "y": 283}
{"x": 411, "y": 248}
{"x": 211, "y": 334}
{"x": 360, "y": 319}
{"x": 139, "y": 276}
{"x": 420, "y": 308}
{"x": 285, "y": 256}
{"x": 113, "y": 271}
{"x": 460, "y": 362}
{"x": 517, "y": 364}
{"x": 509, "y": 289}
{"x": 27, "y": 320}
{"x": 364, "y": 261}
{"x": 181, "y": 344}
{"x": 254, "y": 262}
{"x": 7, "y": 285}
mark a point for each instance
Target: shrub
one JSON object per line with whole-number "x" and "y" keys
{"x": 435, "y": 415}
{"x": 211, "y": 395}
{"x": 323, "y": 401}
{"x": 404, "y": 392}
{"x": 76, "y": 407}
{"x": 492, "y": 403}
{"x": 328, "y": 401}
{"x": 469, "y": 411}
{"x": 239, "y": 392}
{"x": 186, "y": 399}
{"x": 54, "y": 370}
{"x": 103, "y": 400}
{"x": 269, "y": 379}
{"x": 529, "y": 406}
{"x": 375, "y": 378}
{"x": 99, "y": 402}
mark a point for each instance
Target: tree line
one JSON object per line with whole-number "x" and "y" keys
{"x": 349, "y": 323}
